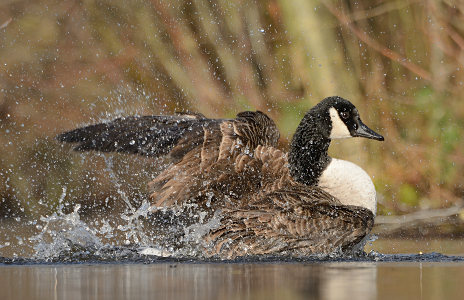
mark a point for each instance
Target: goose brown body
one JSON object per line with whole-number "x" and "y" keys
{"x": 232, "y": 167}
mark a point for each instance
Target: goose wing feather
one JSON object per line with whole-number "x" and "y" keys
{"x": 221, "y": 166}
{"x": 152, "y": 136}
{"x": 298, "y": 220}
{"x": 203, "y": 151}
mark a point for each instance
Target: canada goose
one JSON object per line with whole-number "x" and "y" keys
{"x": 269, "y": 202}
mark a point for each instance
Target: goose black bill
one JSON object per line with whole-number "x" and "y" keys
{"x": 366, "y": 132}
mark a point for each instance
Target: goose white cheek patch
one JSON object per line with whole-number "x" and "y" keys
{"x": 339, "y": 129}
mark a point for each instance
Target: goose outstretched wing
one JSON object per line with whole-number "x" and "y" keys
{"x": 152, "y": 136}
{"x": 198, "y": 147}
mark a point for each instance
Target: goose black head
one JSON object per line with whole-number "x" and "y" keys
{"x": 344, "y": 119}
{"x": 332, "y": 118}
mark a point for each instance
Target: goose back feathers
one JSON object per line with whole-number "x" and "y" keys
{"x": 269, "y": 203}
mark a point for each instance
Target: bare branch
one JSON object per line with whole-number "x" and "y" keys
{"x": 6, "y": 23}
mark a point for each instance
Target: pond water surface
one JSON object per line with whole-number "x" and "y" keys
{"x": 375, "y": 276}
{"x": 336, "y": 280}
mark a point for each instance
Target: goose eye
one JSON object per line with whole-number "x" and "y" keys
{"x": 344, "y": 115}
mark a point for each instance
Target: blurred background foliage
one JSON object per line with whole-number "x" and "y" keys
{"x": 68, "y": 63}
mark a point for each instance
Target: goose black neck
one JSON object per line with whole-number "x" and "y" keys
{"x": 308, "y": 156}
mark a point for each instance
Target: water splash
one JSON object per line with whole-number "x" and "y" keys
{"x": 139, "y": 231}
{"x": 64, "y": 232}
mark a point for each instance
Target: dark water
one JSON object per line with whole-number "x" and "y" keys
{"x": 123, "y": 273}
{"x": 335, "y": 280}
